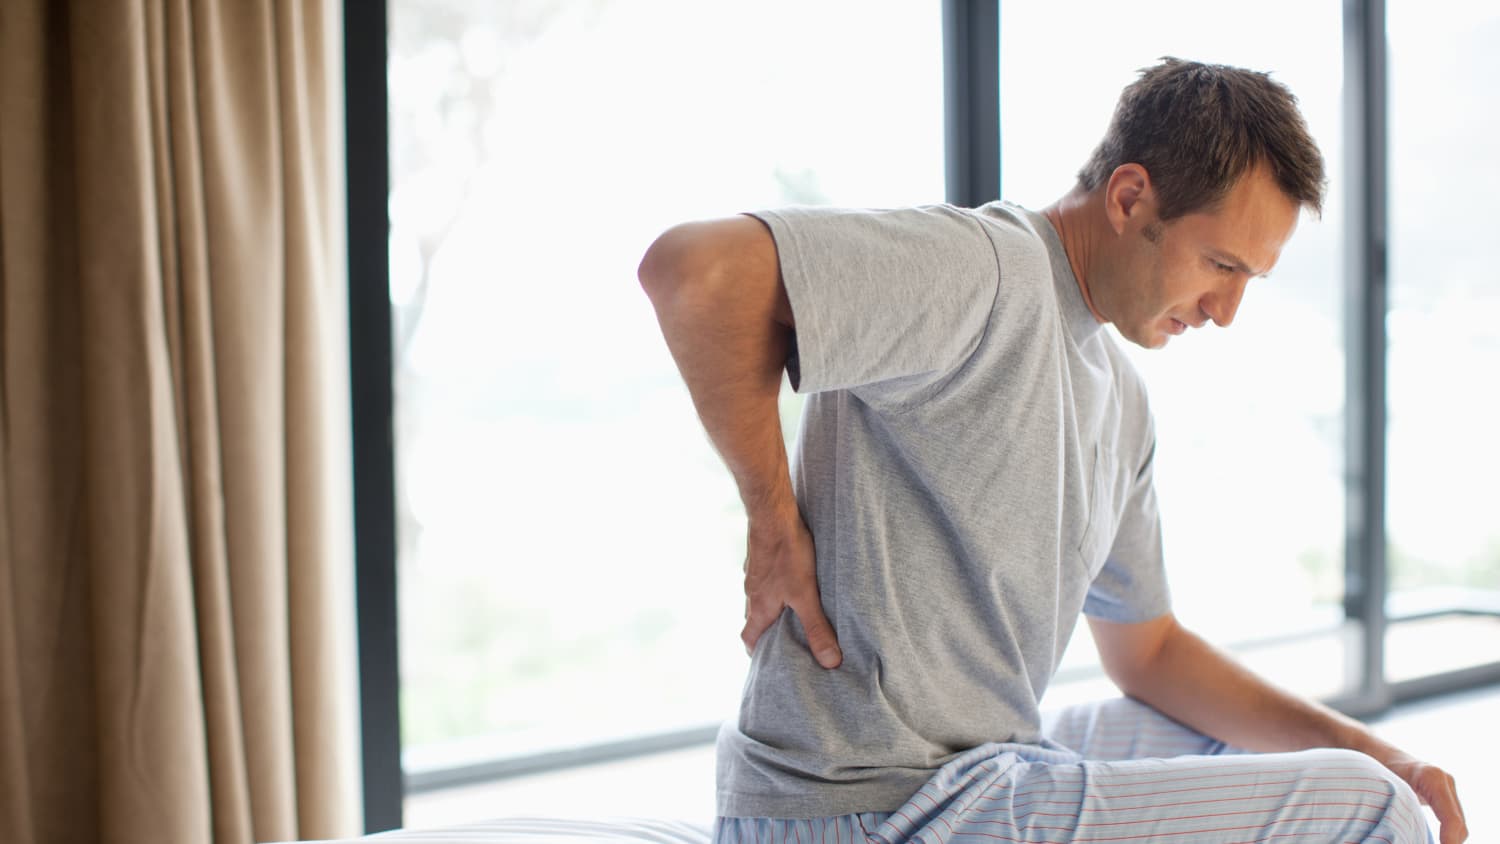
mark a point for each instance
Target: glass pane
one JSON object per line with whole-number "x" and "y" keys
{"x": 1444, "y": 456}
{"x": 1249, "y": 420}
{"x": 570, "y": 542}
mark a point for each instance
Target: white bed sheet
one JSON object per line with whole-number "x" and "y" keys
{"x": 545, "y": 831}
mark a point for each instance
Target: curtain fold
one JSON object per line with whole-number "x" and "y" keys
{"x": 174, "y": 544}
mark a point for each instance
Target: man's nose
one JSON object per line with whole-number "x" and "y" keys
{"x": 1221, "y": 305}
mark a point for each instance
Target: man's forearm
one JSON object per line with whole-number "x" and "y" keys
{"x": 1201, "y": 686}
{"x": 717, "y": 294}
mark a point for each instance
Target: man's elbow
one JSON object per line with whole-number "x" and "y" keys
{"x": 656, "y": 265}
{"x": 723, "y": 266}
{"x": 1131, "y": 681}
{"x": 667, "y": 265}
{"x": 1133, "y": 655}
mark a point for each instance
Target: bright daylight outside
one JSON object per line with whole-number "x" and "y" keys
{"x": 1250, "y": 426}
{"x": 1445, "y": 290}
{"x": 570, "y": 543}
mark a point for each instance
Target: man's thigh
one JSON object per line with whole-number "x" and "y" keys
{"x": 1118, "y": 771}
{"x": 1317, "y": 795}
{"x": 1122, "y": 728}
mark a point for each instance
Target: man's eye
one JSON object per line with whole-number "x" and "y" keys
{"x": 1223, "y": 267}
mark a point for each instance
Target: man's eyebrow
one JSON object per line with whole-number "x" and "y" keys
{"x": 1238, "y": 263}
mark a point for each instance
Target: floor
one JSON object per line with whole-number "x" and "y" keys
{"x": 1457, "y": 731}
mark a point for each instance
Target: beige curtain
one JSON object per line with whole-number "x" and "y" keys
{"x": 174, "y": 542}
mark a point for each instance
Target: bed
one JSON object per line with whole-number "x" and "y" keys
{"x": 545, "y": 831}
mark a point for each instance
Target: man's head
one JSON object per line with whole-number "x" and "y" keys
{"x": 1197, "y": 128}
{"x": 1201, "y": 178}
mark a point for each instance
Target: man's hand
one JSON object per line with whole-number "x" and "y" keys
{"x": 1435, "y": 788}
{"x": 780, "y": 572}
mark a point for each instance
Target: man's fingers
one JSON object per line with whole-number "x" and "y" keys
{"x": 1444, "y": 802}
{"x": 750, "y": 635}
{"x": 820, "y": 637}
{"x": 1436, "y": 788}
{"x": 1453, "y": 830}
{"x": 757, "y": 619}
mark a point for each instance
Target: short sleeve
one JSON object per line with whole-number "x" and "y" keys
{"x": 1132, "y": 585}
{"x": 882, "y": 296}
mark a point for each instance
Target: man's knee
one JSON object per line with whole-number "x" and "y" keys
{"x": 1373, "y": 787}
{"x": 1353, "y": 763}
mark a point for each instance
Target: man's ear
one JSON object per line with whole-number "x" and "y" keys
{"x": 1128, "y": 197}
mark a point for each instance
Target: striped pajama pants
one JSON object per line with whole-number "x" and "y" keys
{"x": 1118, "y": 772}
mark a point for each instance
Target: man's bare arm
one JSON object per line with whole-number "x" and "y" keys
{"x": 724, "y": 312}
{"x": 1178, "y": 673}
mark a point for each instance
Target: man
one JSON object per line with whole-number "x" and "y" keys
{"x": 973, "y": 472}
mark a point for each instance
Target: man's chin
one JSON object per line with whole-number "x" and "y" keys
{"x": 1148, "y": 337}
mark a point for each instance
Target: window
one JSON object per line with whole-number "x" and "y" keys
{"x": 1249, "y": 420}
{"x": 1444, "y": 524}
{"x": 570, "y": 544}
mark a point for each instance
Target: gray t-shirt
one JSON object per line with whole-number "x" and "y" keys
{"x": 975, "y": 465}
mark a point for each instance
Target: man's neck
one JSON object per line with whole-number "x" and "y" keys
{"x": 1073, "y": 216}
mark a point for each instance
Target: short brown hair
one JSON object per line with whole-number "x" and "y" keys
{"x": 1197, "y": 128}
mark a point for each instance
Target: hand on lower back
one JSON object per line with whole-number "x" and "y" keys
{"x": 781, "y": 572}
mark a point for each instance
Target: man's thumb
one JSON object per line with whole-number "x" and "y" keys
{"x": 820, "y": 637}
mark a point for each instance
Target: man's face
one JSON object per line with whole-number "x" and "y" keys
{"x": 1181, "y": 274}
